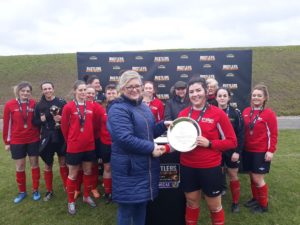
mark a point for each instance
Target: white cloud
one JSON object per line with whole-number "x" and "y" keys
{"x": 44, "y": 26}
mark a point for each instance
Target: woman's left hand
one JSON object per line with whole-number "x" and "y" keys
{"x": 7, "y": 148}
{"x": 57, "y": 118}
{"x": 202, "y": 141}
{"x": 268, "y": 156}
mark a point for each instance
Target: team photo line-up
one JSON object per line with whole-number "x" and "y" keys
{"x": 115, "y": 127}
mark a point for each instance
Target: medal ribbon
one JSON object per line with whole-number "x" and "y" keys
{"x": 21, "y": 110}
{"x": 253, "y": 122}
{"x": 201, "y": 114}
{"x": 81, "y": 117}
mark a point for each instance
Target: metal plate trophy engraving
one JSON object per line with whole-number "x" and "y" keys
{"x": 183, "y": 133}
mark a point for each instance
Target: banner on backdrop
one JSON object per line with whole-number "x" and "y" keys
{"x": 231, "y": 68}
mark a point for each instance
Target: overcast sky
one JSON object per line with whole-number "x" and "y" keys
{"x": 65, "y": 26}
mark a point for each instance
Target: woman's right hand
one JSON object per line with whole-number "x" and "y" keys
{"x": 43, "y": 117}
{"x": 7, "y": 148}
{"x": 168, "y": 123}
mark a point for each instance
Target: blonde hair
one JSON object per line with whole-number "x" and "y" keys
{"x": 20, "y": 86}
{"x": 212, "y": 81}
{"x": 128, "y": 76}
{"x": 90, "y": 86}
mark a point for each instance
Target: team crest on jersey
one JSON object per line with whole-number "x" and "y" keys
{"x": 208, "y": 120}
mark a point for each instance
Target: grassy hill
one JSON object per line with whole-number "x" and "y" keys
{"x": 277, "y": 67}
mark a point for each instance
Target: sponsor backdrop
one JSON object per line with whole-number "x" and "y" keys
{"x": 232, "y": 69}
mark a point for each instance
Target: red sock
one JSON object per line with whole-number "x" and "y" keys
{"x": 95, "y": 174}
{"x": 64, "y": 172}
{"x": 35, "y": 174}
{"x": 87, "y": 185}
{"x": 191, "y": 215}
{"x": 218, "y": 218}
{"x": 48, "y": 176}
{"x": 235, "y": 190}
{"x": 254, "y": 190}
{"x": 71, "y": 186}
{"x": 107, "y": 185}
{"x": 79, "y": 180}
{"x": 21, "y": 180}
{"x": 263, "y": 195}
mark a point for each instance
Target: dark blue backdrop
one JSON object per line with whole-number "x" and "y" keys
{"x": 232, "y": 68}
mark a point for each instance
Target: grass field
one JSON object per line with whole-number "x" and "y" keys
{"x": 284, "y": 182}
{"x": 277, "y": 67}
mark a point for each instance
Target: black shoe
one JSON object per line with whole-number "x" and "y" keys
{"x": 48, "y": 196}
{"x": 235, "y": 208}
{"x": 108, "y": 198}
{"x": 259, "y": 209}
{"x": 251, "y": 203}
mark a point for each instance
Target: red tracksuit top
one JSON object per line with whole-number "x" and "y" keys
{"x": 216, "y": 127}
{"x": 98, "y": 116}
{"x": 76, "y": 140}
{"x": 265, "y": 131}
{"x": 102, "y": 131}
{"x": 157, "y": 108}
{"x": 13, "y": 123}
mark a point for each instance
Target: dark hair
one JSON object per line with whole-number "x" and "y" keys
{"x": 153, "y": 85}
{"x": 229, "y": 93}
{"x": 226, "y": 89}
{"x": 46, "y": 82}
{"x": 198, "y": 80}
{"x": 110, "y": 87}
{"x": 90, "y": 79}
{"x": 20, "y": 86}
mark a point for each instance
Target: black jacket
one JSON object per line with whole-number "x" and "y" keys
{"x": 237, "y": 122}
{"x": 48, "y": 129}
{"x": 174, "y": 106}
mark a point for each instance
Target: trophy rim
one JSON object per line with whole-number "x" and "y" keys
{"x": 187, "y": 148}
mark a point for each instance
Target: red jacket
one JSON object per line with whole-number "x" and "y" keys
{"x": 102, "y": 131}
{"x": 98, "y": 115}
{"x": 216, "y": 127}
{"x": 157, "y": 108}
{"x": 76, "y": 140}
{"x": 265, "y": 131}
{"x": 13, "y": 124}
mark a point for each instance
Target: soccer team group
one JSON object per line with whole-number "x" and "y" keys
{"x": 78, "y": 133}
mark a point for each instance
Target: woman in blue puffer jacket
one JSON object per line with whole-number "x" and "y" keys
{"x": 134, "y": 159}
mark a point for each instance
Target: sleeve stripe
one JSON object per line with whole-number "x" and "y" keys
{"x": 9, "y": 129}
{"x": 268, "y": 136}
{"x": 221, "y": 131}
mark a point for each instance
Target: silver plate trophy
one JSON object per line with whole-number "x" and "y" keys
{"x": 183, "y": 133}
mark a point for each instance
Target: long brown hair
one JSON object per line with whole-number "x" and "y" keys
{"x": 264, "y": 89}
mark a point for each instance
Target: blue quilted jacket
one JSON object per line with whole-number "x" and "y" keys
{"x": 135, "y": 173}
